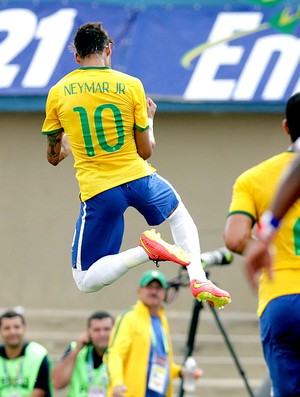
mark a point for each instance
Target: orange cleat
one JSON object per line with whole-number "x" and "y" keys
{"x": 158, "y": 250}
{"x": 207, "y": 291}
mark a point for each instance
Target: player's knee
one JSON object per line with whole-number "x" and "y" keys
{"x": 79, "y": 277}
{"x": 86, "y": 283}
{"x": 83, "y": 287}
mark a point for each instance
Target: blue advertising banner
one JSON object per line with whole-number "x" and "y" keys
{"x": 238, "y": 53}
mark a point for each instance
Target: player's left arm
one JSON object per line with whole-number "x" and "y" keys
{"x": 58, "y": 147}
{"x": 145, "y": 141}
{"x": 288, "y": 190}
{"x": 143, "y": 144}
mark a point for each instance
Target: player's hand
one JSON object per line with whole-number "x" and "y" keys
{"x": 151, "y": 108}
{"x": 257, "y": 256}
{"x": 119, "y": 391}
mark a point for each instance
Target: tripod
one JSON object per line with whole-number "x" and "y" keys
{"x": 198, "y": 306}
{"x": 174, "y": 285}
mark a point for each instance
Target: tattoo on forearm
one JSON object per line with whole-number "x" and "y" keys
{"x": 53, "y": 141}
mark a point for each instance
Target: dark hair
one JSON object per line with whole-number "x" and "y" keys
{"x": 99, "y": 316}
{"x": 91, "y": 38}
{"x": 12, "y": 314}
{"x": 292, "y": 111}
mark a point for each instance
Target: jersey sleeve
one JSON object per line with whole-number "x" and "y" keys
{"x": 51, "y": 123}
{"x": 242, "y": 201}
{"x": 119, "y": 344}
{"x": 140, "y": 107}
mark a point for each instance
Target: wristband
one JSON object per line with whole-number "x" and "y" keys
{"x": 151, "y": 132}
{"x": 267, "y": 227}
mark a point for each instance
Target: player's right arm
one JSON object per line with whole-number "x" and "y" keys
{"x": 242, "y": 213}
{"x": 58, "y": 147}
{"x": 62, "y": 373}
{"x": 237, "y": 233}
{"x": 287, "y": 193}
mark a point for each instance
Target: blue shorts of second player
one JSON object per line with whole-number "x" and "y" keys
{"x": 280, "y": 332}
{"x": 100, "y": 227}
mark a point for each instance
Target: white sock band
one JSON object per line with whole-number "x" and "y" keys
{"x": 185, "y": 234}
{"x": 151, "y": 130}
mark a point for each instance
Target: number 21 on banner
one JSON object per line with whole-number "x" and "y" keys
{"x": 22, "y": 26}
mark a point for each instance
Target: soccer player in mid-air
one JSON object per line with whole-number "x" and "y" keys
{"x": 103, "y": 117}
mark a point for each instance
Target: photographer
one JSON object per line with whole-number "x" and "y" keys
{"x": 81, "y": 367}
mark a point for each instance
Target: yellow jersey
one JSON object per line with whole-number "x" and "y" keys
{"x": 98, "y": 108}
{"x": 253, "y": 192}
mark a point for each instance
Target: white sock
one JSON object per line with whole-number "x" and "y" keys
{"x": 108, "y": 269}
{"x": 185, "y": 234}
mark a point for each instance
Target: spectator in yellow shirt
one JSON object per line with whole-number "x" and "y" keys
{"x": 140, "y": 355}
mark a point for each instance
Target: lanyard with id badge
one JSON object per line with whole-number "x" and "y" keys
{"x": 159, "y": 371}
{"x": 15, "y": 382}
{"x": 96, "y": 388}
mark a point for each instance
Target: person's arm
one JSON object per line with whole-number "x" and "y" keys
{"x": 119, "y": 391}
{"x": 257, "y": 257}
{"x": 237, "y": 232}
{"x": 120, "y": 341}
{"x": 37, "y": 393}
{"x": 58, "y": 147}
{"x": 62, "y": 373}
{"x": 238, "y": 237}
{"x": 145, "y": 141}
{"x": 287, "y": 193}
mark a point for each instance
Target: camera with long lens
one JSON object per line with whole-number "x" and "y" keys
{"x": 220, "y": 256}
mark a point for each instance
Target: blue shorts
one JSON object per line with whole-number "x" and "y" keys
{"x": 100, "y": 225}
{"x": 280, "y": 333}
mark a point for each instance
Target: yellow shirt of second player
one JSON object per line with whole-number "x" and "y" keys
{"x": 252, "y": 195}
